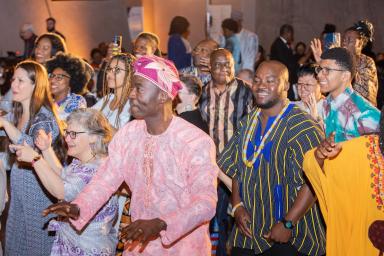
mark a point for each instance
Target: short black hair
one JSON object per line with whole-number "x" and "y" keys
{"x": 307, "y": 69}
{"x": 57, "y": 42}
{"x": 179, "y": 25}
{"x": 286, "y": 28}
{"x": 230, "y": 24}
{"x": 94, "y": 51}
{"x": 329, "y": 28}
{"x": 342, "y": 57}
{"x": 193, "y": 84}
{"x": 74, "y": 66}
{"x": 51, "y": 18}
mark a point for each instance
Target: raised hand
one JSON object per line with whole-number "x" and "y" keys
{"x": 312, "y": 105}
{"x": 316, "y": 49}
{"x": 63, "y": 209}
{"x": 43, "y": 140}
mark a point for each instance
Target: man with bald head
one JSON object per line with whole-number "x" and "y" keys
{"x": 201, "y": 55}
{"x": 273, "y": 207}
{"x": 224, "y": 102}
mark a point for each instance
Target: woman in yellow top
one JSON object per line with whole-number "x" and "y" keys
{"x": 348, "y": 179}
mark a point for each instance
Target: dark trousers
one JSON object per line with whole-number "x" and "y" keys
{"x": 223, "y": 218}
{"x": 276, "y": 250}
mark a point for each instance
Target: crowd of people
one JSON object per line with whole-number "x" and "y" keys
{"x": 152, "y": 153}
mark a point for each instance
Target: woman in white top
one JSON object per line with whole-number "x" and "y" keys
{"x": 117, "y": 82}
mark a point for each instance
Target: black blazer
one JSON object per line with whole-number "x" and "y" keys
{"x": 281, "y": 52}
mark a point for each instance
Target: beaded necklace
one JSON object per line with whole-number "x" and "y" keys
{"x": 248, "y": 137}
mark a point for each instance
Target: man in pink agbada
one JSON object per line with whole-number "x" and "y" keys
{"x": 168, "y": 164}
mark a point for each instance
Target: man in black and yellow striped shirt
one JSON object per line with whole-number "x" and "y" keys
{"x": 274, "y": 209}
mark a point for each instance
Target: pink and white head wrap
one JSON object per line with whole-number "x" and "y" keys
{"x": 160, "y": 72}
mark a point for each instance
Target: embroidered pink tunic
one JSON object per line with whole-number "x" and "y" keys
{"x": 172, "y": 176}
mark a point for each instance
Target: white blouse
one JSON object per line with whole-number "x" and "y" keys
{"x": 111, "y": 115}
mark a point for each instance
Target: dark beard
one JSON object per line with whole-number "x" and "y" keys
{"x": 50, "y": 29}
{"x": 269, "y": 104}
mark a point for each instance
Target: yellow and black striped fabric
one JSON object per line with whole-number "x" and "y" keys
{"x": 280, "y": 162}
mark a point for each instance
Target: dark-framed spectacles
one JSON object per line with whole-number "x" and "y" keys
{"x": 222, "y": 65}
{"x": 115, "y": 70}
{"x": 58, "y": 77}
{"x": 72, "y": 134}
{"x": 326, "y": 70}
{"x": 305, "y": 86}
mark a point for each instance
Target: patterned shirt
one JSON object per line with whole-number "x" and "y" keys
{"x": 172, "y": 176}
{"x": 279, "y": 163}
{"x": 349, "y": 116}
{"x": 99, "y": 237}
{"x": 69, "y": 104}
{"x": 222, "y": 111}
{"x": 366, "y": 81}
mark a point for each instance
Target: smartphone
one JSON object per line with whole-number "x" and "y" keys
{"x": 117, "y": 41}
{"x": 331, "y": 40}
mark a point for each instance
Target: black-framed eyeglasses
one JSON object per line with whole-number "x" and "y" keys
{"x": 326, "y": 70}
{"x": 222, "y": 65}
{"x": 115, "y": 70}
{"x": 72, "y": 134}
{"x": 58, "y": 77}
{"x": 305, "y": 86}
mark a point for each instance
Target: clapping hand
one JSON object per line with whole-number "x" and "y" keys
{"x": 316, "y": 49}
{"x": 24, "y": 152}
{"x": 43, "y": 140}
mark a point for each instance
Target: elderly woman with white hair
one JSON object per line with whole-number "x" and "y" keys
{"x": 87, "y": 136}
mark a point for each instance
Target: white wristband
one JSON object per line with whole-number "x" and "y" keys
{"x": 235, "y": 208}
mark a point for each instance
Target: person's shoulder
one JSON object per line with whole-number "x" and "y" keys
{"x": 368, "y": 60}
{"x": 298, "y": 119}
{"x": 241, "y": 84}
{"x": 248, "y": 32}
{"x": 362, "y": 104}
{"x": 189, "y": 133}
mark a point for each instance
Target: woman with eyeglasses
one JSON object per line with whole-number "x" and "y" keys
{"x": 47, "y": 46}
{"x": 34, "y": 110}
{"x": 115, "y": 107}
{"x": 87, "y": 136}
{"x": 308, "y": 89}
{"x": 117, "y": 83}
{"x": 67, "y": 77}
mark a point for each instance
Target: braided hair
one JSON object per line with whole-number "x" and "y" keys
{"x": 128, "y": 60}
{"x": 365, "y": 30}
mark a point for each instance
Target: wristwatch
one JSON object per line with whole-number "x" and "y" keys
{"x": 287, "y": 224}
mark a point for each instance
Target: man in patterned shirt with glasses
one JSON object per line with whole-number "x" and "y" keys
{"x": 344, "y": 111}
